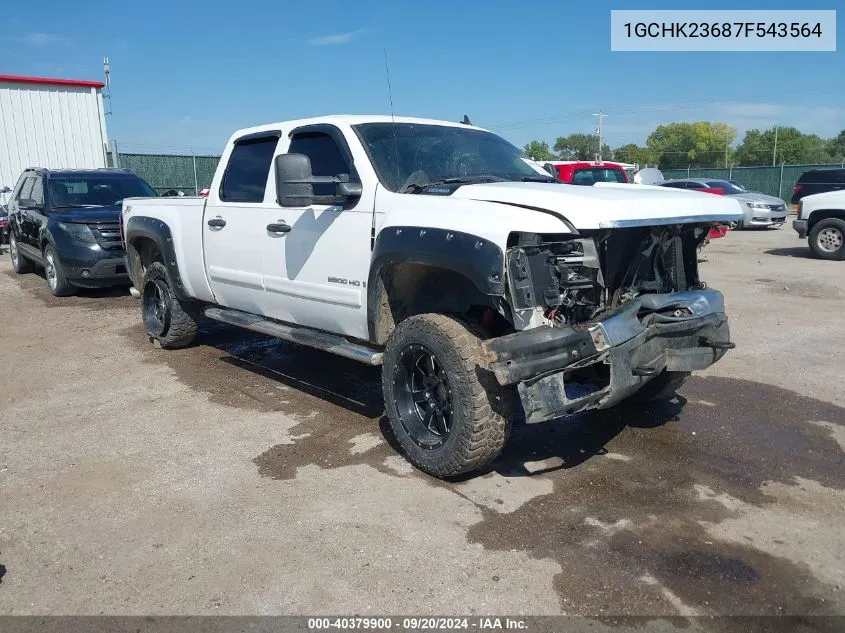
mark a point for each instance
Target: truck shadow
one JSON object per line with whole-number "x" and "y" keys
{"x": 802, "y": 252}
{"x": 333, "y": 388}
{"x": 564, "y": 443}
{"x": 327, "y": 378}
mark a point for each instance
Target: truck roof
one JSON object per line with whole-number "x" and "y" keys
{"x": 349, "y": 119}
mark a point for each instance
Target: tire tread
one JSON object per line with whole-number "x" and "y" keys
{"x": 486, "y": 435}
{"x": 183, "y": 316}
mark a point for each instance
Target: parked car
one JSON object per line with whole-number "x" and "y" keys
{"x": 4, "y": 224}
{"x": 68, "y": 221}
{"x": 648, "y": 176}
{"x": 759, "y": 210}
{"x": 818, "y": 181}
{"x": 586, "y": 173}
{"x": 821, "y": 218}
{"x": 432, "y": 249}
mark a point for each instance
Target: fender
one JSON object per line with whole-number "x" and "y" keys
{"x": 159, "y": 232}
{"x": 476, "y": 258}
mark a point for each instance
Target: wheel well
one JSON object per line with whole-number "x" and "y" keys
{"x": 407, "y": 289}
{"x": 824, "y": 214}
{"x": 140, "y": 253}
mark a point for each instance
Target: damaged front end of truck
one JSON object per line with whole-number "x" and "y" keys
{"x": 603, "y": 313}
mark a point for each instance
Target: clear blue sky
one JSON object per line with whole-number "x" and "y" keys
{"x": 186, "y": 73}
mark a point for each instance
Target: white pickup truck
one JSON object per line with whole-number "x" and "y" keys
{"x": 821, "y": 219}
{"x": 438, "y": 251}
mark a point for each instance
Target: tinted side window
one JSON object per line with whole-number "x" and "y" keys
{"x": 676, "y": 185}
{"x": 327, "y": 159}
{"x": 37, "y": 193}
{"x": 695, "y": 185}
{"x": 245, "y": 178}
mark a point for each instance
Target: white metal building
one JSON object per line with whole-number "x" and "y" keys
{"x": 50, "y": 123}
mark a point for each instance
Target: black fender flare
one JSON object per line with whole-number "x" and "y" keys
{"x": 159, "y": 232}
{"x": 476, "y": 258}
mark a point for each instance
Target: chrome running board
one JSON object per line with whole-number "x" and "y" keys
{"x": 332, "y": 343}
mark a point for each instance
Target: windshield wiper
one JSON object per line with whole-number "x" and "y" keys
{"x": 538, "y": 178}
{"x": 469, "y": 180}
{"x": 77, "y": 206}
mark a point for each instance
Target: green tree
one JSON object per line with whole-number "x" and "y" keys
{"x": 793, "y": 147}
{"x": 633, "y": 153}
{"x": 699, "y": 144}
{"x": 581, "y": 147}
{"x": 836, "y": 147}
{"x": 539, "y": 151}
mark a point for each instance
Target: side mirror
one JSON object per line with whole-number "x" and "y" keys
{"x": 295, "y": 183}
{"x": 5, "y": 190}
{"x": 294, "y": 186}
{"x": 27, "y": 203}
{"x": 350, "y": 189}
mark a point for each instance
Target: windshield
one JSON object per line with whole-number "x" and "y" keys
{"x": 95, "y": 191}
{"x": 729, "y": 187}
{"x": 590, "y": 175}
{"x": 413, "y": 153}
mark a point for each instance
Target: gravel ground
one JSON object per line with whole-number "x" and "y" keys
{"x": 248, "y": 476}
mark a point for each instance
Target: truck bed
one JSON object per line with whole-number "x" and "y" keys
{"x": 183, "y": 216}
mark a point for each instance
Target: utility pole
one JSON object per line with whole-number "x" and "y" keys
{"x": 107, "y": 91}
{"x": 600, "y": 131}
{"x": 775, "y": 151}
{"x": 727, "y": 147}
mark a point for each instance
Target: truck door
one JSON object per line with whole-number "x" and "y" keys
{"x": 235, "y": 220}
{"x": 316, "y": 274}
{"x": 37, "y": 214}
{"x": 24, "y": 218}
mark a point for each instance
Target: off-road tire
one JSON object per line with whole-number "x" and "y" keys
{"x": 54, "y": 271}
{"x": 661, "y": 388}
{"x": 481, "y": 410}
{"x": 822, "y": 233}
{"x": 176, "y": 326}
{"x": 20, "y": 264}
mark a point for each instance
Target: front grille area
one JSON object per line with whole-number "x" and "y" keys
{"x": 107, "y": 235}
{"x": 777, "y": 207}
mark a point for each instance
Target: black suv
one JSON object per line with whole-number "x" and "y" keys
{"x": 818, "y": 181}
{"x": 68, "y": 221}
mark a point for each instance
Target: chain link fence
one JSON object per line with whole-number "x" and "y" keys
{"x": 774, "y": 181}
{"x": 191, "y": 173}
{"x": 187, "y": 173}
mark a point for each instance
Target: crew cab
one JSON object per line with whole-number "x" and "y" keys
{"x": 586, "y": 172}
{"x": 67, "y": 220}
{"x": 435, "y": 250}
{"x": 821, "y": 219}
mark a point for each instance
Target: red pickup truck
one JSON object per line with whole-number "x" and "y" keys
{"x": 586, "y": 172}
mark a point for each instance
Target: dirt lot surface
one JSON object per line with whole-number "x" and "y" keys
{"x": 248, "y": 476}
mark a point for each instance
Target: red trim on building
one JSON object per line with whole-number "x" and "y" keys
{"x": 52, "y": 82}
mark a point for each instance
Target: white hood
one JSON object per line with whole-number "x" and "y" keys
{"x": 609, "y": 207}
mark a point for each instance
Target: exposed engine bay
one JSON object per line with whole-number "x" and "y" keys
{"x": 576, "y": 279}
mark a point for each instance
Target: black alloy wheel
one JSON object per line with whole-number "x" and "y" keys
{"x": 156, "y": 307}
{"x": 423, "y": 396}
